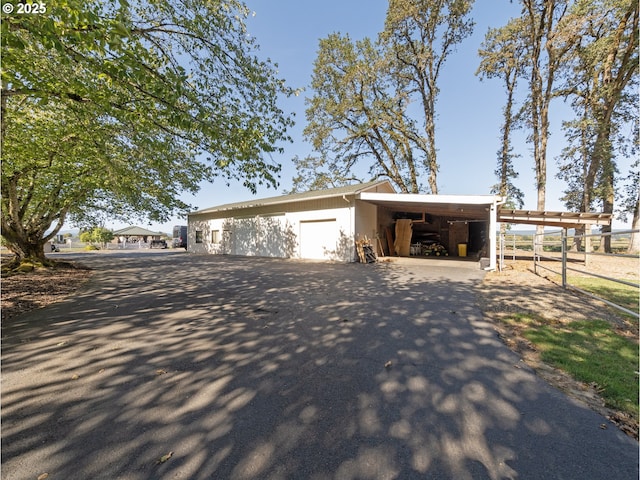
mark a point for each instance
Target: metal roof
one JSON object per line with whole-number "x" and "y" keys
{"x": 296, "y": 197}
{"x": 553, "y": 219}
{"x": 135, "y": 231}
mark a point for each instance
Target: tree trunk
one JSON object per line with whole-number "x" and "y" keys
{"x": 576, "y": 244}
{"x": 607, "y": 208}
{"x": 26, "y": 250}
{"x": 607, "y": 180}
{"x": 432, "y": 162}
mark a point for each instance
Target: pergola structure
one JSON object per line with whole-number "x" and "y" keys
{"x": 553, "y": 219}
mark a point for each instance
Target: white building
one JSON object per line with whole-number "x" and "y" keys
{"x": 325, "y": 224}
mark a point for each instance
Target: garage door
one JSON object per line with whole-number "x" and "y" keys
{"x": 318, "y": 238}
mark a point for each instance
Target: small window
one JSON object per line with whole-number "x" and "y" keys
{"x": 198, "y": 236}
{"x": 215, "y": 236}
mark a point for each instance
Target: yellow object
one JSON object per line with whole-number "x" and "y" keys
{"x": 462, "y": 249}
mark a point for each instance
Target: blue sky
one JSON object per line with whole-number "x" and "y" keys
{"x": 469, "y": 110}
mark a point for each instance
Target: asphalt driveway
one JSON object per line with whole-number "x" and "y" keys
{"x": 176, "y": 366}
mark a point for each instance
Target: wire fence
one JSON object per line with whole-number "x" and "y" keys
{"x": 597, "y": 265}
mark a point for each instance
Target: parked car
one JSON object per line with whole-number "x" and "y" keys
{"x": 158, "y": 244}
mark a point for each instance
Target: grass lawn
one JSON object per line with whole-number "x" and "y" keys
{"x": 592, "y": 352}
{"x": 620, "y": 294}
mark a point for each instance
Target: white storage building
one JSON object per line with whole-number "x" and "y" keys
{"x": 325, "y": 224}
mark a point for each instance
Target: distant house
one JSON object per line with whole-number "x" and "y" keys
{"x": 134, "y": 234}
{"x": 325, "y": 224}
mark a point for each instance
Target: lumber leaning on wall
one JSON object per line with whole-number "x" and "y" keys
{"x": 404, "y": 230}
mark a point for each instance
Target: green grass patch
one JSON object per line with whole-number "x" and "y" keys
{"x": 618, "y": 293}
{"x": 591, "y": 352}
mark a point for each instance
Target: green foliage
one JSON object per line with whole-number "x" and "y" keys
{"x": 601, "y": 86}
{"x": 316, "y": 173}
{"x": 116, "y": 108}
{"x": 592, "y": 352}
{"x": 420, "y": 35}
{"x": 631, "y": 201}
{"x": 86, "y": 237}
{"x": 358, "y": 115}
{"x": 502, "y": 56}
{"x": 102, "y": 235}
{"x": 98, "y": 235}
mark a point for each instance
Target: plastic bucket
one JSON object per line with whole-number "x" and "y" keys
{"x": 462, "y": 249}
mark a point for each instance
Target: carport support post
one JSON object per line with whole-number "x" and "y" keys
{"x": 502, "y": 247}
{"x": 493, "y": 226}
{"x": 564, "y": 258}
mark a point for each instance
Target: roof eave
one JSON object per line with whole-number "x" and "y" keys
{"x": 285, "y": 199}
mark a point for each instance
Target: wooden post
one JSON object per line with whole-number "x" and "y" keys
{"x": 587, "y": 244}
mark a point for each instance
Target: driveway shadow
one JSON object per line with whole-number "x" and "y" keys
{"x": 245, "y": 368}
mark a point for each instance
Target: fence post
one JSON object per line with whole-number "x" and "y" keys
{"x": 564, "y": 258}
{"x": 535, "y": 253}
{"x": 502, "y": 247}
{"x": 587, "y": 244}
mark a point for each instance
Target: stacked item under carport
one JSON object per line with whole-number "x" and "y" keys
{"x": 404, "y": 232}
{"x": 435, "y": 249}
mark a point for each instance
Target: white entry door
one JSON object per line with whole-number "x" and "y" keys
{"x": 318, "y": 239}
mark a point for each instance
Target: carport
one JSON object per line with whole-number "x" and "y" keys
{"x": 446, "y": 220}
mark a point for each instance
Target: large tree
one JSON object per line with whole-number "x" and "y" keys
{"x": 360, "y": 109}
{"x": 319, "y": 173}
{"x": 545, "y": 52}
{"x": 630, "y": 204}
{"x": 121, "y": 106}
{"x": 358, "y": 112}
{"x": 420, "y": 36}
{"x": 502, "y": 57}
{"x": 602, "y": 87}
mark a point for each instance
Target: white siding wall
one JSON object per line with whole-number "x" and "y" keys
{"x": 245, "y": 237}
{"x": 207, "y": 227}
{"x": 326, "y": 230}
{"x": 366, "y": 222}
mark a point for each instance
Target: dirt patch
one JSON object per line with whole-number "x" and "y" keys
{"x": 22, "y": 292}
{"x": 518, "y": 290}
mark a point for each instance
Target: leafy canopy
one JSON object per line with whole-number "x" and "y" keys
{"x": 360, "y": 113}
{"x": 118, "y": 107}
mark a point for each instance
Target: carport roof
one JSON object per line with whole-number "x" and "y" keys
{"x": 461, "y": 206}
